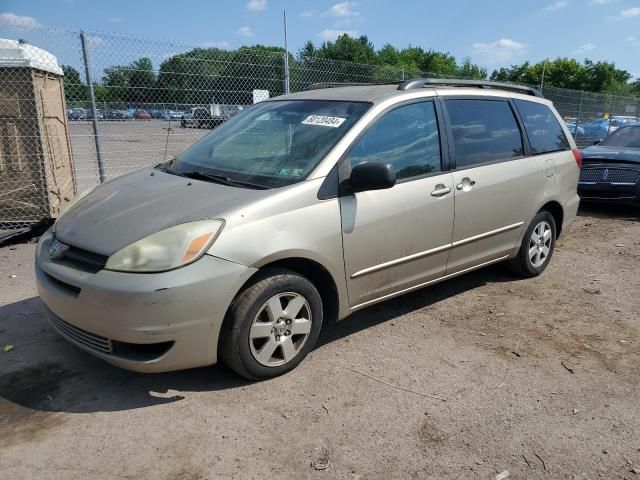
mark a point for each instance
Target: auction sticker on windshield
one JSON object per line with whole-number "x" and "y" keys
{"x": 324, "y": 121}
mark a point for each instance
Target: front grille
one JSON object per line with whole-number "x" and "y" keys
{"x": 609, "y": 175}
{"x": 83, "y": 259}
{"x": 90, "y": 340}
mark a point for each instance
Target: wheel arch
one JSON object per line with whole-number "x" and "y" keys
{"x": 314, "y": 271}
{"x": 555, "y": 209}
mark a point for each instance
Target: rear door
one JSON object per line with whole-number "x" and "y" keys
{"x": 495, "y": 182}
{"x": 398, "y": 238}
{"x": 547, "y": 140}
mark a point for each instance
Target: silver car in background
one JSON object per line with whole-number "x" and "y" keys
{"x": 301, "y": 210}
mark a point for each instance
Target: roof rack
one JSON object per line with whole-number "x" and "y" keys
{"x": 319, "y": 86}
{"x": 436, "y": 82}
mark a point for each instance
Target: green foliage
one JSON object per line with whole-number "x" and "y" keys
{"x": 133, "y": 83}
{"x": 591, "y": 76}
{"x": 348, "y": 49}
{"x": 74, "y": 90}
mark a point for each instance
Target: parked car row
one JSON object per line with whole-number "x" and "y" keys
{"x": 196, "y": 117}
{"x": 596, "y": 130}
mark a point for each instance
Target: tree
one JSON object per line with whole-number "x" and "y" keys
{"x": 592, "y": 76}
{"x": 130, "y": 84}
{"x": 348, "y": 49}
{"x": 470, "y": 71}
{"x": 74, "y": 90}
{"x": 605, "y": 77}
{"x": 307, "y": 52}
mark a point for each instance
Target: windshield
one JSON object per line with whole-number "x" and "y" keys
{"x": 272, "y": 144}
{"x": 627, "y": 137}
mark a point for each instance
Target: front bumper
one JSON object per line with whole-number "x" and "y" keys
{"x": 177, "y": 314}
{"x": 607, "y": 192}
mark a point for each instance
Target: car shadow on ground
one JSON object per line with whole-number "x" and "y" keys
{"x": 44, "y": 372}
{"x": 618, "y": 211}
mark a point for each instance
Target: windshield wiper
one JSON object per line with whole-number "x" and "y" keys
{"x": 212, "y": 177}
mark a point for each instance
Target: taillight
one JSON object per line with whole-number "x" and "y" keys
{"x": 577, "y": 154}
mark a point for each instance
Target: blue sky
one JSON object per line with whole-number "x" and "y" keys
{"x": 496, "y": 33}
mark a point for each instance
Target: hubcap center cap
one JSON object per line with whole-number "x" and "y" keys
{"x": 281, "y": 328}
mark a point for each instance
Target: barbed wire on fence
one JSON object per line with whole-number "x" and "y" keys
{"x": 125, "y": 102}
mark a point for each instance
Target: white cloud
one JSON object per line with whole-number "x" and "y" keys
{"x": 500, "y": 51}
{"x": 307, "y": 13}
{"x": 257, "y": 5}
{"x": 634, "y": 41}
{"x": 245, "y": 32}
{"x": 558, "y": 5}
{"x": 333, "y": 34}
{"x": 601, "y": 2}
{"x": 344, "y": 9}
{"x": 14, "y": 20}
{"x": 224, "y": 45}
{"x": 587, "y": 47}
{"x": 631, "y": 12}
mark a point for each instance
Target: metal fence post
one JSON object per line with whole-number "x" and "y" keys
{"x": 613, "y": 108}
{"x": 286, "y": 57}
{"x": 575, "y": 130}
{"x": 94, "y": 116}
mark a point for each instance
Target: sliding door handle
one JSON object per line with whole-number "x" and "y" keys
{"x": 466, "y": 184}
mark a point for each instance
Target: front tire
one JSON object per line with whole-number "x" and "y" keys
{"x": 272, "y": 325}
{"x": 537, "y": 247}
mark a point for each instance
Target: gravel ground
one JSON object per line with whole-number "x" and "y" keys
{"x": 466, "y": 379}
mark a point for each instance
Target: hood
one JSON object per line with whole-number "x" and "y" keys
{"x": 132, "y": 207}
{"x": 599, "y": 154}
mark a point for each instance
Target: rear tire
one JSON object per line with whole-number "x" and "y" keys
{"x": 271, "y": 325}
{"x": 537, "y": 246}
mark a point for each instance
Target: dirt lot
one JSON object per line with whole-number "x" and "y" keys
{"x": 466, "y": 379}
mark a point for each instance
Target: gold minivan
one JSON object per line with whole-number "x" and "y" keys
{"x": 299, "y": 211}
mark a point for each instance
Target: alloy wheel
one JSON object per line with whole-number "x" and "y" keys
{"x": 280, "y": 329}
{"x": 540, "y": 244}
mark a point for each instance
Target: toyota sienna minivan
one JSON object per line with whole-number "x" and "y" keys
{"x": 301, "y": 210}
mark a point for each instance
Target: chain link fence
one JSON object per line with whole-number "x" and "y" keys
{"x": 127, "y": 102}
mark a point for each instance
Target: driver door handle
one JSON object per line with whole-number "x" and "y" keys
{"x": 440, "y": 191}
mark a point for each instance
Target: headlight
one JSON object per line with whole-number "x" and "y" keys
{"x": 168, "y": 249}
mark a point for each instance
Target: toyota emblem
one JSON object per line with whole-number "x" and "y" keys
{"x": 57, "y": 249}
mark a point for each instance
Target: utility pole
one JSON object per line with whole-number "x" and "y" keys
{"x": 286, "y": 56}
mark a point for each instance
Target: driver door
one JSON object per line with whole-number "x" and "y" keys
{"x": 399, "y": 238}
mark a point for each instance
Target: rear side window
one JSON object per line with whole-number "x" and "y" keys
{"x": 483, "y": 131}
{"x": 543, "y": 129}
{"x": 406, "y": 137}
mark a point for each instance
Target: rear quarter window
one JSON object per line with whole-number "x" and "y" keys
{"x": 543, "y": 129}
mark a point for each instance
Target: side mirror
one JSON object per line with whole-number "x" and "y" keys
{"x": 596, "y": 142}
{"x": 372, "y": 176}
